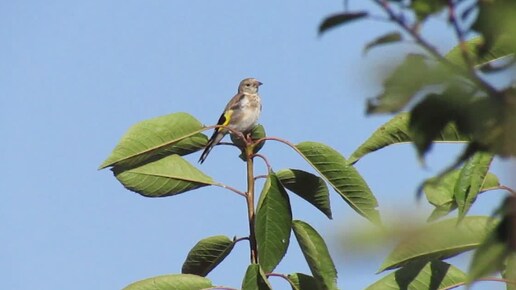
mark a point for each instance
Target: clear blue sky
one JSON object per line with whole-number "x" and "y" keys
{"x": 75, "y": 75}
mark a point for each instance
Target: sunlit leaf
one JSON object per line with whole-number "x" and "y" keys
{"x": 509, "y": 272}
{"x": 339, "y": 19}
{"x": 498, "y": 51}
{"x": 174, "y": 281}
{"x": 440, "y": 240}
{"x": 167, "y": 176}
{"x": 273, "y": 224}
{"x": 390, "y": 37}
{"x": 343, "y": 177}
{"x": 300, "y": 281}
{"x": 316, "y": 254}
{"x": 155, "y": 138}
{"x": 421, "y": 275}
{"x": 255, "y": 279}
{"x": 396, "y": 131}
{"x": 207, "y": 254}
{"x": 425, "y": 8}
{"x": 470, "y": 181}
{"x": 308, "y": 186}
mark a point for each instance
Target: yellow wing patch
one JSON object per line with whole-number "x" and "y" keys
{"x": 227, "y": 117}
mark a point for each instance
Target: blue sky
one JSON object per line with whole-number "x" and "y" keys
{"x": 75, "y": 75}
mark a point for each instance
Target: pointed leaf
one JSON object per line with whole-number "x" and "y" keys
{"x": 207, "y": 254}
{"x": 300, "y": 281}
{"x": 396, "y": 131}
{"x": 255, "y": 279}
{"x": 174, "y": 281}
{"x": 344, "y": 178}
{"x": 155, "y": 138}
{"x": 470, "y": 181}
{"x": 168, "y": 176}
{"x": 442, "y": 211}
{"x": 421, "y": 275}
{"x": 316, "y": 254}
{"x": 441, "y": 240}
{"x": 339, "y": 19}
{"x": 273, "y": 224}
{"x": 390, "y": 37}
{"x": 310, "y": 187}
{"x": 473, "y": 45}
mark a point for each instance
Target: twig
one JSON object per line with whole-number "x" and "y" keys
{"x": 230, "y": 188}
{"x": 282, "y": 276}
{"x": 433, "y": 51}
{"x": 269, "y": 168}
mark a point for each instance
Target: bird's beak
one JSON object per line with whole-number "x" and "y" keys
{"x": 260, "y": 83}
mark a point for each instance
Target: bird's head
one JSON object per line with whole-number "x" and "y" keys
{"x": 249, "y": 85}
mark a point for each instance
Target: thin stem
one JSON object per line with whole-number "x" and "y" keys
{"x": 433, "y": 51}
{"x": 260, "y": 176}
{"x": 452, "y": 18}
{"x": 231, "y": 188}
{"x": 491, "y": 279}
{"x": 282, "y": 276}
{"x": 250, "y": 204}
{"x": 510, "y": 190}
{"x": 269, "y": 168}
{"x": 241, "y": 239}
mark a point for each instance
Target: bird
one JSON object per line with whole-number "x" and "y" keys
{"x": 240, "y": 114}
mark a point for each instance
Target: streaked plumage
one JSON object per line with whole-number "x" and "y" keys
{"x": 241, "y": 113}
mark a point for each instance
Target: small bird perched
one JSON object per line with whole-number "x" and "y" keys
{"x": 240, "y": 114}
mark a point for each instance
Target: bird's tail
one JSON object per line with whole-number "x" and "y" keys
{"x": 214, "y": 140}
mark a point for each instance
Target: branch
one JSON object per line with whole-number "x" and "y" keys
{"x": 468, "y": 73}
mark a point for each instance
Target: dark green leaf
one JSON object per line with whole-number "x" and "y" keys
{"x": 396, "y": 131}
{"x": 302, "y": 281}
{"x": 167, "y": 176}
{"x": 430, "y": 116}
{"x": 273, "y": 224}
{"x": 339, "y": 19}
{"x": 257, "y": 133}
{"x": 470, "y": 181}
{"x": 174, "y": 281}
{"x": 255, "y": 279}
{"x": 440, "y": 240}
{"x": 310, "y": 187}
{"x": 316, "y": 254}
{"x": 206, "y": 255}
{"x": 421, "y": 275}
{"x": 343, "y": 177}
{"x": 390, "y": 37}
{"x": 155, "y": 138}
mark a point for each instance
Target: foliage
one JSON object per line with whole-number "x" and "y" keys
{"x": 436, "y": 97}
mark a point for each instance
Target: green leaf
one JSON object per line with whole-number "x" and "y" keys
{"x": 430, "y": 116}
{"x": 470, "y": 181}
{"x": 339, "y": 19}
{"x": 441, "y": 192}
{"x": 473, "y": 45}
{"x": 257, "y": 133}
{"x": 207, "y": 254}
{"x": 155, "y": 138}
{"x": 174, "y": 281}
{"x": 273, "y": 224}
{"x": 440, "y": 240}
{"x": 344, "y": 178}
{"x": 403, "y": 83}
{"x": 255, "y": 279}
{"x": 310, "y": 187}
{"x": 490, "y": 255}
{"x": 388, "y": 38}
{"x": 396, "y": 131}
{"x": 167, "y": 176}
{"x": 316, "y": 254}
{"x": 300, "y": 281}
{"x": 421, "y": 275}
{"x": 510, "y": 271}
{"x": 425, "y": 8}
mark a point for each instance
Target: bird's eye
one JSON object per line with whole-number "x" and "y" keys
{"x": 247, "y": 85}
